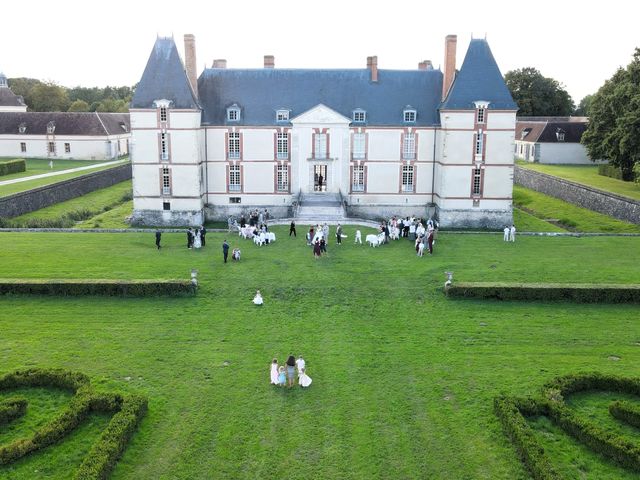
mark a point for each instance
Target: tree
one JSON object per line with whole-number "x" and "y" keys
{"x": 536, "y": 95}
{"x": 49, "y": 97}
{"x": 78, "y": 106}
{"x": 613, "y": 132}
{"x": 23, "y": 86}
{"x": 113, "y": 105}
{"x": 582, "y": 110}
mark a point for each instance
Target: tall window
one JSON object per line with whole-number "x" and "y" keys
{"x": 23, "y": 147}
{"x": 409, "y": 146}
{"x": 407, "y": 178}
{"x": 480, "y": 117}
{"x": 359, "y": 146}
{"x": 282, "y": 178}
{"x": 357, "y": 182}
{"x": 163, "y": 114}
{"x": 164, "y": 150}
{"x": 234, "y": 178}
{"x": 67, "y": 148}
{"x": 234, "y": 145}
{"x": 479, "y": 142}
{"x": 321, "y": 146}
{"x": 52, "y": 148}
{"x": 282, "y": 146}
{"x": 477, "y": 182}
{"x": 166, "y": 181}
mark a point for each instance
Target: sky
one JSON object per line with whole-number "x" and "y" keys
{"x": 578, "y": 43}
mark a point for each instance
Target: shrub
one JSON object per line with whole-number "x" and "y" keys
{"x": 580, "y": 293}
{"x": 105, "y": 452}
{"x": 12, "y": 408}
{"x": 12, "y": 166}
{"x": 607, "y": 170}
{"x": 625, "y": 411}
{"x": 113, "y": 288}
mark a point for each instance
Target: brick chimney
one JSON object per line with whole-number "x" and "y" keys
{"x": 425, "y": 65}
{"x": 450, "y": 44}
{"x": 219, "y": 63}
{"x": 372, "y": 65}
{"x": 269, "y": 61}
{"x": 190, "y": 61}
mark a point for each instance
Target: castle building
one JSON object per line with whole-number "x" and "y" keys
{"x": 377, "y": 142}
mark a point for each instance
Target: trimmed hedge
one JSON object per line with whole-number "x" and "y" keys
{"x": 12, "y": 408}
{"x": 512, "y": 413}
{"x": 607, "y": 170}
{"x": 580, "y": 293}
{"x": 105, "y": 452}
{"x": 114, "y": 288}
{"x": 13, "y": 166}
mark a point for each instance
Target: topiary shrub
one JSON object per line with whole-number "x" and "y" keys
{"x": 13, "y": 166}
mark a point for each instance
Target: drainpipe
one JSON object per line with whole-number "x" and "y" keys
{"x": 206, "y": 167}
{"x": 433, "y": 172}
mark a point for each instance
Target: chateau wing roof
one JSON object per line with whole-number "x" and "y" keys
{"x": 261, "y": 92}
{"x": 67, "y": 123}
{"x": 479, "y": 79}
{"x": 10, "y": 99}
{"x": 545, "y": 131}
{"x": 164, "y": 78}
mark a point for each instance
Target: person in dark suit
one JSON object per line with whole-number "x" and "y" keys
{"x": 225, "y": 250}
{"x": 189, "y": 238}
{"x": 203, "y": 232}
{"x": 158, "y": 237}
{"x": 292, "y": 228}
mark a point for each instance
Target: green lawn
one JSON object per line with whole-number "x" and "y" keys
{"x": 403, "y": 379}
{"x": 36, "y": 166}
{"x": 39, "y": 182}
{"x": 526, "y": 222}
{"x": 567, "y": 215}
{"x": 587, "y": 175}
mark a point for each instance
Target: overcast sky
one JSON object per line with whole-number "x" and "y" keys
{"x": 89, "y": 43}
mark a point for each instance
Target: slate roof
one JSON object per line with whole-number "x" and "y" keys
{"x": 545, "y": 131}
{"x": 10, "y": 99}
{"x": 479, "y": 79}
{"x": 67, "y": 123}
{"x": 164, "y": 78}
{"x": 260, "y": 92}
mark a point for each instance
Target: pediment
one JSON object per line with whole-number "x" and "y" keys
{"x": 320, "y": 114}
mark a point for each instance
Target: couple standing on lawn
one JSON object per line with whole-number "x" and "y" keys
{"x": 283, "y": 374}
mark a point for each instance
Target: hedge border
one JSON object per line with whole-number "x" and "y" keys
{"x": 568, "y": 292}
{"x": 512, "y": 412}
{"x": 128, "y": 411}
{"x": 13, "y": 166}
{"x": 626, "y": 412}
{"x": 12, "y": 408}
{"x": 119, "y": 288}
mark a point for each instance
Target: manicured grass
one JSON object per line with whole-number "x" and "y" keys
{"x": 567, "y": 215}
{"x": 40, "y": 182}
{"x": 525, "y": 222}
{"x": 403, "y": 379}
{"x": 587, "y": 175}
{"x": 99, "y": 201}
{"x": 113, "y": 218}
{"x": 36, "y": 166}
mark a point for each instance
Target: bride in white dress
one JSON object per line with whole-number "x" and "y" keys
{"x": 257, "y": 300}
{"x": 303, "y": 379}
{"x": 197, "y": 239}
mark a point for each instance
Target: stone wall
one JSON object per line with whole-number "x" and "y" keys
{"x": 41, "y": 197}
{"x": 616, "y": 206}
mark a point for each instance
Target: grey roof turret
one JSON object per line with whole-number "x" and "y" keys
{"x": 164, "y": 78}
{"x": 479, "y": 79}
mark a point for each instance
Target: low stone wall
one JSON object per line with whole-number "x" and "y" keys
{"x": 41, "y": 197}
{"x": 599, "y": 201}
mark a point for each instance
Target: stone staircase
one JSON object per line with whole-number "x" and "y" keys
{"x": 320, "y": 208}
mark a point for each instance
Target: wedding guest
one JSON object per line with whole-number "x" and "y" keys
{"x": 300, "y": 363}
{"x": 257, "y": 300}
{"x": 317, "y": 250}
{"x": 303, "y": 379}
{"x": 203, "y": 233}
{"x": 512, "y": 233}
{"x": 158, "y": 237}
{"x": 189, "y": 238}
{"x": 282, "y": 378}
{"x": 292, "y": 228}
{"x": 274, "y": 372}
{"x": 225, "y": 250}
{"x": 291, "y": 370}
{"x": 235, "y": 255}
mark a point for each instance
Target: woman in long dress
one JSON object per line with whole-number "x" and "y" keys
{"x": 274, "y": 372}
{"x": 303, "y": 379}
{"x": 197, "y": 239}
{"x": 257, "y": 300}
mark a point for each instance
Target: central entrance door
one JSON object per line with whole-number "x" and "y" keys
{"x": 319, "y": 178}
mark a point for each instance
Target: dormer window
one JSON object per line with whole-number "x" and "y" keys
{"x": 233, "y": 113}
{"x": 524, "y": 133}
{"x": 409, "y": 115}
{"x": 481, "y": 111}
{"x": 282, "y": 116}
{"x": 163, "y": 110}
{"x": 124, "y": 127}
{"x": 22, "y": 128}
{"x": 51, "y": 127}
{"x": 560, "y": 134}
{"x": 359, "y": 116}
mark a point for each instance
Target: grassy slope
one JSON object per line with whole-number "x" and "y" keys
{"x": 587, "y": 175}
{"x": 526, "y": 222}
{"x": 576, "y": 218}
{"x": 403, "y": 378}
{"x": 40, "y": 182}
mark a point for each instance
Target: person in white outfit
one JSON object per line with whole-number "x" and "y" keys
{"x": 358, "y": 237}
{"x": 274, "y": 372}
{"x": 507, "y": 232}
{"x": 300, "y": 364}
{"x": 257, "y": 300}
{"x": 512, "y": 233}
{"x": 303, "y": 379}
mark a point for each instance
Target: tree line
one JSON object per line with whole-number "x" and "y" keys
{"x": 50, "y": 97}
